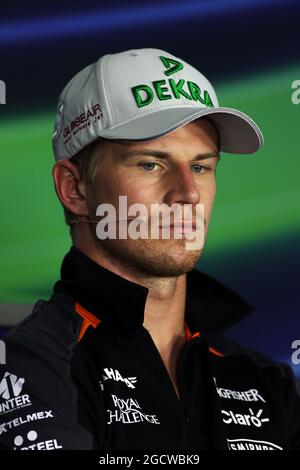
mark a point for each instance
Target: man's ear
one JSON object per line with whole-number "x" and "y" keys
{"x": 69, "y": 187}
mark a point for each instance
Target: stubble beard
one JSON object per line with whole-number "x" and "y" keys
{"x": 159, "y": 258}
{"x": 150, "y": 257}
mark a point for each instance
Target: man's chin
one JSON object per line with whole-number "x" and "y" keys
{"x": 154, "y": 259}
{"x": 168, "y": 269}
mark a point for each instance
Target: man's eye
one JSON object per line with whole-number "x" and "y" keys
{"x": 148, "y": 166}
{"x": 197, "y": 168}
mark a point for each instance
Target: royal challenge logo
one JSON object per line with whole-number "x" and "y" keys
{"x": 128, "y": 411}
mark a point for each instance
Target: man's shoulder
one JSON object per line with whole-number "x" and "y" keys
{"x": 227, "y": 347}
{"x": 51, "y": 330}
{"x": 40, "y": 348}
{"x": 36, "y": 381}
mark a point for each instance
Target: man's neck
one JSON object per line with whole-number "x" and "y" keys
{"x": 164, "y": 311}
{"x": 165, "y": 304}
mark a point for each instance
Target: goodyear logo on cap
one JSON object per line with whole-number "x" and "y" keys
{"x": 168, "y": 89}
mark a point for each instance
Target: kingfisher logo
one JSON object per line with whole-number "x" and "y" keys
{"x": 11, "y": 387}
{"x": 244, "y": 419}
{"x": 114, "y": 374}
{"x": 244, "y": 395}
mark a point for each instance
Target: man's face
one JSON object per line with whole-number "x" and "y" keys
{"x": 175, "y": 169}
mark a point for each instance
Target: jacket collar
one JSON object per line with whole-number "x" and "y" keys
{"x": 210, "y": 306}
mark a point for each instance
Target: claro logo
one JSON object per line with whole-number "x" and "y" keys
{"x": 244, "y": 419}
{"x": 2, "y": 92}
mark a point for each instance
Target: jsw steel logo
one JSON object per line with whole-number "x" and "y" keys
{"x": 11, "y": 386}
{"x": 250, "y": 419}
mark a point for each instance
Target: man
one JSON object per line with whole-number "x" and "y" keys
{"x": 128, "y": 351}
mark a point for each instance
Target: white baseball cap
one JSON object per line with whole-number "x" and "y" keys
{"x": 143, "y": 94}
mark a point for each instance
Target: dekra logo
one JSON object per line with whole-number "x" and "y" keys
{"x": 144, "y": 94}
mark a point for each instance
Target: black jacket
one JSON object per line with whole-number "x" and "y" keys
{"x": 83, "y": 373}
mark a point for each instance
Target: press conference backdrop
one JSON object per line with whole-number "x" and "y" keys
{"x": 250, "y": 52}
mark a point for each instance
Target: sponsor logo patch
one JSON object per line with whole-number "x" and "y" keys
{"x": 251, "y": 444}
{"x": 249, "y": 419}
{"x": 11, "y": 387}
{"x": 31, "y": 442}
{"x": 244, "y": 395}
{"x": 4, "y": 427}
{"x": 82, "y": 121}
{"x": 114, "y": 374}
{"x": 128, "y": 411}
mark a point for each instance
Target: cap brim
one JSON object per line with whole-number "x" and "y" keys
{"x": 238, "y": 133}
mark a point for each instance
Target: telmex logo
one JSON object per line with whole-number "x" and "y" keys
{"x": 244, "y": 419}
{"x": 2, "y": 92}
{"x": 5, "y": 427}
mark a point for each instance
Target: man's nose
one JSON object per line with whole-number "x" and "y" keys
{"x": 182, "y": 188}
